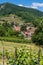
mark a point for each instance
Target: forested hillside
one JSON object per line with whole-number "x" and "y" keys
{"x": 27, "y": 14}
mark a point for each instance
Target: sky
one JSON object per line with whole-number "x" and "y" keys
{"x": 36, "y": 4}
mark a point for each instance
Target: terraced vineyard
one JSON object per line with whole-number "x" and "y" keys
{"x": 11, "y": 18}
{"x": 20, "y": 54}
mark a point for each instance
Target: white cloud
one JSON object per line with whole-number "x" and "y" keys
{"x": 37, "y": 4}
{"x": 20, "y": 5}
{"x": 34, "y": 5}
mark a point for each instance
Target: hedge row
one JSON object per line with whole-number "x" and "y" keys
{"x": 10, "y": 39}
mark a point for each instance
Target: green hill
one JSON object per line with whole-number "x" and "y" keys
{"x": 7, "y": 8}
{"x": 26, "y": 14}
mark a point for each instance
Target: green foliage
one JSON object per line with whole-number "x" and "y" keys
{"x": 6, "y": 30}
{"x": 37, "y": 37}
{"x": 2, "y": 31}
{"x": 23, "y": 27}
{"x": 0, "y": 54}
{"x": 16, "y": 39}
{"x": 23, "y": 56}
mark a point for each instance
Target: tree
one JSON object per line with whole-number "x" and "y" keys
{"x": 23, "y": 27}
{"x": 2, "y": 31}
{"x": 37, "y": 37}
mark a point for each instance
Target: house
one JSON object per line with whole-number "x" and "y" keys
{"x": 26, "y": 34}
{"x": 17, "y": 28}
{"x": 29, "y": 31}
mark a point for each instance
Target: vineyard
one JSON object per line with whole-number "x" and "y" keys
{"x": 20, "y": 54}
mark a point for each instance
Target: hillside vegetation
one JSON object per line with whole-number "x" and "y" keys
{"x": 20, "y": 54}
{"x": 11, "y": 18}
{"x": 26, "y": 14}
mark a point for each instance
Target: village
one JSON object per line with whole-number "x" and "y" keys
{"x": 25, "y": 29}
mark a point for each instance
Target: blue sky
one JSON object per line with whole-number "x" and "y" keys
{"x": 37, "y": 4}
